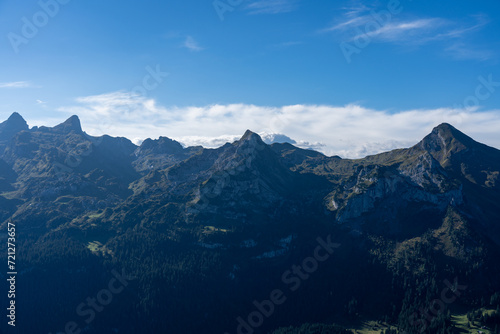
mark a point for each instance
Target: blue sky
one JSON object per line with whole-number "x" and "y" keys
{"x": 348, "y": 77}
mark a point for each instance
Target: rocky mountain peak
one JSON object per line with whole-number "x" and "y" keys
{"x": 14, "y": 124}
{"x": 162, "y": 145}
{"x": 251, "y": 140}
{"x": 251, "y": 136}
{"x": 71, "y": 124}
{"x": 16, "y": 118}
{"x": 445, "y": 141}
{"x": 447, "y": 137}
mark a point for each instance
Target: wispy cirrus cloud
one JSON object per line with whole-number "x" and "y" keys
{"x": 16, "y": 84}
{"x": 405, "y": 31}
{"x": 461, "y": 51}
{"x": 287, "y": 44}
{"x": 380, "y": 26}
{"x": 349, "y": 131}
{"x": 271, "y": 6}
{"x": 191, "y": 44}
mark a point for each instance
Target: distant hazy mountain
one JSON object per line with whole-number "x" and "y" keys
{"x": 206, "y": 232}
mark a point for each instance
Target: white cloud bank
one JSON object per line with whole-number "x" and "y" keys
{"x": 350, "y": 131}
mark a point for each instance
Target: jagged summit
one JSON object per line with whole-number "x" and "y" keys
{"x": 445, "y": 141}
{"x": 162, "y": 145}
{"x": 451, "y": 134}
{"x": 251, "y": 139}
{"x": 71, "y": 124}
{"x": 459, "y": 153}
{"x": 250, "y": 135}
{"x": 14, "y": 120}
{"x": 16, "y": 117}
{"x": 14, "y": 124}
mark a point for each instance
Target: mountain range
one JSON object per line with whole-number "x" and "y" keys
{"x": 207, "y": 235}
